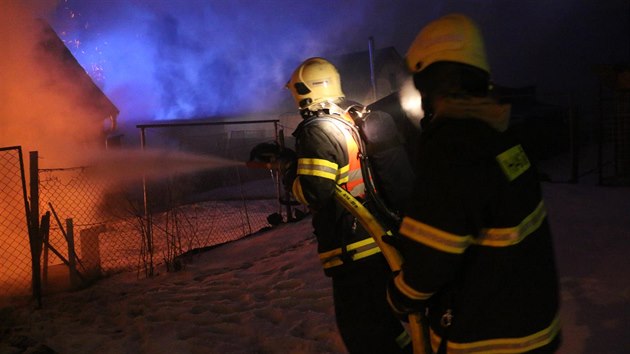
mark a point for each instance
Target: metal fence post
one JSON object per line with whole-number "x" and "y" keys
{"x": 35, "y": 238}
{"x": 147, "y": 213}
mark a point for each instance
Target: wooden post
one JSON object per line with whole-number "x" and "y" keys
{"x": 72, "y": 257}
{"x": 35, "y": 238}
{"x": 90, "y": 250}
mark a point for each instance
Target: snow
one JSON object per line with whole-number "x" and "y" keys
{"x": 267, "y": 293}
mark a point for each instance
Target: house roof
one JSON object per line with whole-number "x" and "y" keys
{"x": 90, "y": 94}
{"x": 356, "y": 81}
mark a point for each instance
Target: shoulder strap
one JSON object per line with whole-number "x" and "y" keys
{"x": 366, "y": 170}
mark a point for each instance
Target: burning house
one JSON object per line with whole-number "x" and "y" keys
{"x": 88, "y": 94}
{"x": 52, "y": 106}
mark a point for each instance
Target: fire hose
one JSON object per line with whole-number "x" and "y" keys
{"x": 374, "y": 228}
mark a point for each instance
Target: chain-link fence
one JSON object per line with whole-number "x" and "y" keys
{"x": 110, "y": 225}
{"x": 225, "y": 203}
{"x": 614, "y": 137}
{"x": 102, "y": 240}
{"x": 151, "y": 222}
{"x": 15, "y": 254}
{"x": 96, "y": 227}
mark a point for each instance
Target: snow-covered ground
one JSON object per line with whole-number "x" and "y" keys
{"x": 267, "y": 293}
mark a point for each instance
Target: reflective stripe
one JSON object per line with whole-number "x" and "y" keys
{"x": 502, "y": 345}
{"x": 503, "y": 237}
{"x": 403, "y": 339}
{"x": 490, "y": 237}
{"x": 317, "y": 167}
{"x": 407, "y": 290}
{"x": 343, "y": 175}
{"x": 298, "y": 193}
{"x": 350, "y": 174}
{"x": 433, "y": 237}
{"x": 355, "y": 177}
{"x": 362, "y": 249}
{"x": 355, "y": 182}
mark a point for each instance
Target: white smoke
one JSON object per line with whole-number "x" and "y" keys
{"x": 41, "y": 109}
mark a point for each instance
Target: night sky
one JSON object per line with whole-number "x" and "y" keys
{"x": 165, "y": 59}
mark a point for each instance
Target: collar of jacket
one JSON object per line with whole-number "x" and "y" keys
{"x": 345, "y": 117}
{"x": 481, "y": 108}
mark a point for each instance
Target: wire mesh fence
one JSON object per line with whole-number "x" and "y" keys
{"x": 614, "y": 137}
{"x": 98, "y": 227}
{"x": 15, "y": 254}
{"x": 229, "y": 201}
{"x": 69, "y": 193}
{"x": 110, "y": 223}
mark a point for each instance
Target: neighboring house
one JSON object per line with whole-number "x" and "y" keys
{"x": 356, "y": 74}
{"x": 90, "y": 95}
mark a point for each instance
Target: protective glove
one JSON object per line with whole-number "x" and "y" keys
{"x": 400, "y": 304}
{"x": 272, "y": 152}
{"x": 265, "y": 152}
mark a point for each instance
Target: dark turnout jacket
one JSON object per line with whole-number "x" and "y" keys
{"x": 476, "y": 244}
{"x": 328, "y": 156}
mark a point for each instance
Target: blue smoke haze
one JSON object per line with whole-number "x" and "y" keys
{"x": 165, "y": 59}
{"x": 183, "y": 59}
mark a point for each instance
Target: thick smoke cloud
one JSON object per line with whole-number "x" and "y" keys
{"x": 178, "y": 59}
{"x": 40, "y": 108}
{"x": 164, "y": 59}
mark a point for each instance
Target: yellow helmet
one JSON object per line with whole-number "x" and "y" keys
{"x": 454, "y": 38}
{"x": 315, "y": 81}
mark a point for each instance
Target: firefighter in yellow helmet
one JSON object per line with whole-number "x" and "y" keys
{"x": 327, "y": 156}
{"x": 476, "y": 243}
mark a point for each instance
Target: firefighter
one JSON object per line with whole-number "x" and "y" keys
{"x": 476, "y": 243}
{"x": 327, "y": 155}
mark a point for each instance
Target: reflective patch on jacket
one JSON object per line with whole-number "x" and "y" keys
{"x": 513, "y": 162}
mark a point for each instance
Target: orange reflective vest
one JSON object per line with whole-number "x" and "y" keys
{"x": 328, "y": 155}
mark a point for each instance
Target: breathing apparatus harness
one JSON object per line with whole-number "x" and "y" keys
{"x": 359, "y": 115}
